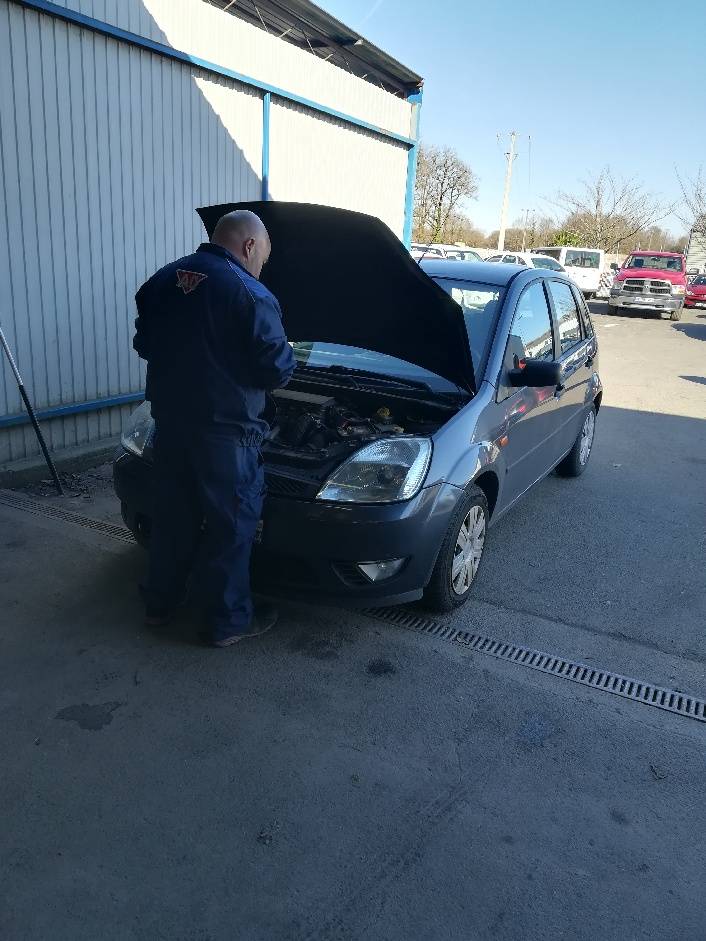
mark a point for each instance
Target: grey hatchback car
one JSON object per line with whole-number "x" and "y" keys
{"x": 426, "y": 401}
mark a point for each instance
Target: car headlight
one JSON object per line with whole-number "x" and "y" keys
{"x": 385, "y": 471}
{"x": 678, "y": 289}
{"x": 139, "y": 430}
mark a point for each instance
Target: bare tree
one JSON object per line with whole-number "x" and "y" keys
{"x": 694, "y": 193}
{"x": 609, "y": 210}
{"x": 443, "y": 182}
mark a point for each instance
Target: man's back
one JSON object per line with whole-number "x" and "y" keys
{"x": 214, "y": 342}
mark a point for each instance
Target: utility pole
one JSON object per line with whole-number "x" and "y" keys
{"x": 510, "y": 157}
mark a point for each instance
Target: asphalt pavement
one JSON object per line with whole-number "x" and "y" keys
{"x": 343, "y": 778}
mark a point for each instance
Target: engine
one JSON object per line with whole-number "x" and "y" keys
{"x": 307, "y": 422}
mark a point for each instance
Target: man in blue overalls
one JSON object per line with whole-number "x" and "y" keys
{"x": 214, "y": 343}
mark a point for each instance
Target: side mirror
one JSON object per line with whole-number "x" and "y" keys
{"x": 614, "y": 267}
{"x": 536, "y": 374}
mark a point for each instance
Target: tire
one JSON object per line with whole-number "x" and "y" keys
{"x": 576, "y": 461}
{"x": 442, "y": 593}
{"x": 675, "y": 314}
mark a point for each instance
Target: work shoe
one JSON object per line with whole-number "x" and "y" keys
{"x": 264, "y": 619}
{"x": 157, "y": 618}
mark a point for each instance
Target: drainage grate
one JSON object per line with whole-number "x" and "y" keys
{"x": 625, "y": 686}
{"x": 52, "y": 511}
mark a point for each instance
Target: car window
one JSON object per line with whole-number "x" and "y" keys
{"x": 567, "y": 315}
{"x": 586, "y": 322}
{"x": 480, "y": 304}
{"x": 494, "y": 258}
{"x": 510, "y": 259}
{"x": 540, "y": 262}
{"x": 531, "y": 331}
{"x": 577, "y": 258}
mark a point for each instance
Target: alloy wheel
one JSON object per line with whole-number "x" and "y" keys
{"x": 587, "y": 433}
{"x": 469, "y": 550}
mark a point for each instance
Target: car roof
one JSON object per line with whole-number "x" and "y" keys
{"x": 488, "y": 272}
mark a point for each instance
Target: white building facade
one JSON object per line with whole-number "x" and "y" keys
{"x": 117, "y": 119}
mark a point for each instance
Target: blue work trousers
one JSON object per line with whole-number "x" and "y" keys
{"x": 208, "y": 496}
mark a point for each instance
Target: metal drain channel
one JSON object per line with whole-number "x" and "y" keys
{"x": 52, "y": 511}
{"x": 629, "y": 688}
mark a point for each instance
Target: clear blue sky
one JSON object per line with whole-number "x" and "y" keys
{"x": 592, "y": 84}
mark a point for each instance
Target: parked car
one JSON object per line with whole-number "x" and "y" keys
{"x": 653, "y": 281}
{"x": 696, "y": 292}
{"x": 459, "y": 253}
{"x": 583, "y": 265}
{"x": 528, "y": 258}
{"x": 427, "y": 400}
{"x": 462, "y": 254}
{"x": 418, "y": 251}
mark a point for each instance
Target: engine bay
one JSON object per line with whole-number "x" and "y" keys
{"x": 308, "y": 427}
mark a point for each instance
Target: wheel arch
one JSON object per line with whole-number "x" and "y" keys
{"x": 489, "y": 483}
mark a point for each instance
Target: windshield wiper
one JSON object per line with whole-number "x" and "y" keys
{"x": 369, "y": 378}
{"x": 358, "y": 378}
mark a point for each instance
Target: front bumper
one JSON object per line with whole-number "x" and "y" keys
{"x": 698, "y": 300}
{"x": 309, "y": 549}
{"x": 645, "y": 301}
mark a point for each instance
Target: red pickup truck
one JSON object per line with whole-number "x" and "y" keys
{"x": 651, "y": 281}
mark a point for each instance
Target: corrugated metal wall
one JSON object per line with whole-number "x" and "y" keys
{"x": 317, "y": 159}
{"x": 106, "y": 149}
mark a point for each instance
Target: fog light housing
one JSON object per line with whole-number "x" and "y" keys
{"x": 379, "y": 571}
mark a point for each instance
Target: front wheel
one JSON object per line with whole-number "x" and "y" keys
{"x": 675, "y": 314}
{"x": 575, "y": 462}
{"x": 460, "y": 555}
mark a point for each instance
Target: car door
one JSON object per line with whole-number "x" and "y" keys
{"x": 576, "y": 351}
{"x": 528, "y": 415}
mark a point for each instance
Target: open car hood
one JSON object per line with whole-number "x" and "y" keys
{"x": 344, "y": 277}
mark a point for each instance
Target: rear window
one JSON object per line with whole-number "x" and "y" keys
{"x": 582, "y": 259}
{"x": 480, "y": 304}
{"x": 552, "y": 252}
{"x": 655, "y": 262}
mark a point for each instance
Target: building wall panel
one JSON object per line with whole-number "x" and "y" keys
{"x": 204, "y": 31}
{"x": 317, "y": 159}
{"x": 106, "y": 151}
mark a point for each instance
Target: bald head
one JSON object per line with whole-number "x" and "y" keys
{"x": 244, "y": 235}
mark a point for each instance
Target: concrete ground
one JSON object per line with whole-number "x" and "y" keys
{"x": 342, "y": 778}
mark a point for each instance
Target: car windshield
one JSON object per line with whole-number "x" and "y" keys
{"x": 540, "y": 262}
{"x": 480, "y": 304}
{"x": 327, "y": 355}
{"x": 700, "y": 280}
{"x": 655, "y": 262}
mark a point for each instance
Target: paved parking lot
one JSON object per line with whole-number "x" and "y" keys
{"x": 343, "y": 778}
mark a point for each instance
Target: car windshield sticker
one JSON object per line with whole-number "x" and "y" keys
{"x": 188, "y": 281}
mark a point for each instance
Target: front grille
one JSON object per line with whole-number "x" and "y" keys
{"x": 280, "y": 486}
{"x": 646, "y": 286}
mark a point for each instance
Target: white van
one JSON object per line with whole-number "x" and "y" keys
{"x": 583, "y": 265}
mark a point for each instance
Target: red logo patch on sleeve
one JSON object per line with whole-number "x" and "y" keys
{"x": 188, "y": 281}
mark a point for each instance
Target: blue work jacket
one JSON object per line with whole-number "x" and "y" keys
{"x": 213, "y": 339}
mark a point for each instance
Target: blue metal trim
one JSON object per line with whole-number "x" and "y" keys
{"x": 60, "y": 411}
{"x": 105, "y": 29}
{"x": 416, "y": 101}
{"x": 266, "y": 100}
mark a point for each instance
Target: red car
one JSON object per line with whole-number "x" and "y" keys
{"x": 696, "y": 292}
